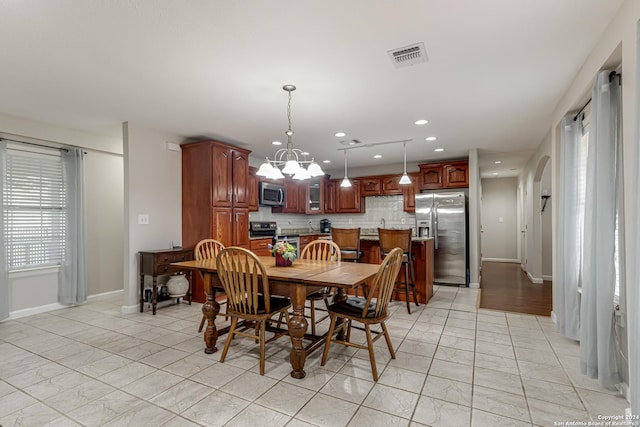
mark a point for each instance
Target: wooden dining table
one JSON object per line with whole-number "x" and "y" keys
{"x": 296, "y": 282}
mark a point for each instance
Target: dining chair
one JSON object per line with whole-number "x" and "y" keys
{"x": 348, "y": 239}
{"x": 324, "y": 250}
{"x": 245, "y": 281}
{"x": 392, "y": 238}
{"x": 207, "y": 249}
{"x": 367, "y": 311}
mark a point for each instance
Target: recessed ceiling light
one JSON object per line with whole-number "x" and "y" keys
{"x": 431, "y": 138}
{"x": 377, "y": 156}
{"x": 496, "y": 173}
{"x": 439, "y": 149}
{"x": 421, "y": 122}
{"x": 340, "y": 134}
{"x": 497, "y": 162}
{"x": 276, "y": 143}
{"x": 326, "y": 161}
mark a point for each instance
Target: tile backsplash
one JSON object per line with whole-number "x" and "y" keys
{"x": 376, "y": 208}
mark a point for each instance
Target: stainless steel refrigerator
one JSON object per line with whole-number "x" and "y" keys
{"x": 443, "y": 216}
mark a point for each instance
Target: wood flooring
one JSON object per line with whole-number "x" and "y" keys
{"x": 504, "y": 286}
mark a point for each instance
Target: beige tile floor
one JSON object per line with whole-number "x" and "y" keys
{"x": 455, "y": 366}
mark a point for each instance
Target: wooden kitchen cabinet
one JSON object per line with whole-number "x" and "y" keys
{"x": 314, "y": 191}
{"x": 305, "y": 240}
{"x": 349, "y": 199}
{"x": 215, "y": 197}
{"x": 330, "y": 188}
{"x": 292, "y": 198}
{"x": 390, "y": 185}
{"x": 409, "y": 193}
{"x": 370, "y": 186}
{"x": 435, "y": 176}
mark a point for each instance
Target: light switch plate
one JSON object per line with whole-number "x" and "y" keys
{"x": 143, "y": 219}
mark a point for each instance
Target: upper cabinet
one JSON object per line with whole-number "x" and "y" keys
{"x": 391, "y": 185}
{"x": 434, "y": 176}
{"x": 215, "y": 193}
{"x": 370, "y": 186}
{"x": 409, "y": 193}
{"x": 253, "y": 189}
{"x": 349, "y": 199}
{"x": 314, "y": 200}
{"x": 330, "y": 186}
{"x": 292, "y": 198}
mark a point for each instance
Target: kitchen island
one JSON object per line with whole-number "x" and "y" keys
{"x": 422, "y": 250}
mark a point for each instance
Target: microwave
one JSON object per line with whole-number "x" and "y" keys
{"x": 270, "y": 194}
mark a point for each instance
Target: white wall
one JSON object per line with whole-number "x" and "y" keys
{"x": 153, "y": 186}
{"x": 37, "y": 290}
{"x": 499, "y": 219}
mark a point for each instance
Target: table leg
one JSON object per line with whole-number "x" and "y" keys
{"x": 141, "y": 293}
{"x": 210, "y": 309}
{"x": 297, "y": 328}
{"x": 154, "y": 295}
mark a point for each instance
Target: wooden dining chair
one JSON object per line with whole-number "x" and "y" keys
{"x": 367, "y": 311}
{"x": 245, "y": 281}
{"x": 392, "y": 238}
{"x": 324, "y": 250}
{"x": 207, "y": 249}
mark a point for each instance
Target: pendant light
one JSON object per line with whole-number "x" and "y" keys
{"x": 292, "y": 160}
{"x": 345, "y": 182}
{"x": 405, "y": 178}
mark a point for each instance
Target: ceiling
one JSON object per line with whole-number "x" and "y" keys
{"x": 495, "y": 71}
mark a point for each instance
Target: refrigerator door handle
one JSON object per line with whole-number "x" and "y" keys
{"x": 434, "y": 224}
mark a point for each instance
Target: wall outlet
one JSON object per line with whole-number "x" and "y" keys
{"x": 143, "y": 219}
{"x": 350, "y": 221}
{"x": 403, "y": 221}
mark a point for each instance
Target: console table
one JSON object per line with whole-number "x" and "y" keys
{"x": 157, "y": 263}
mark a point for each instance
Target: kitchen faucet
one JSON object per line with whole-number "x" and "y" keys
{"x": 383, "y": 222}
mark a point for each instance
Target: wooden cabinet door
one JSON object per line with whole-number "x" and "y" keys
{"x": 305, "y": 240}
{"x": 391, "y": 185}
{"x": 314, "y": 196}
{"x": 349, "y": 200}
{"x": 330, "y": 188}
{"x": 222, "y": 227}
{"x": 370, "y": 186}
{"x": 456, "y": 175}
{"x": 409, "y": 193}
{"x": 253, "y": 190}
{"x": 291, "y": 197}
{"x": 222, "y": 188}
{"x": 241, "y": 227}
{"x": 240, "y": 180}
{"x": 431, "y": 177}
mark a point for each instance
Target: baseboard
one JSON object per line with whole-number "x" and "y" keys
{"x": 514, "y": 261}
{"x": 130, "y": 309}
{"x": 474, "y": 285}
{"x": 536, "y": 280}
{"x": 26, "y": 312}
{"x": 547, "y": 278}
{"x": 554, "y": 318}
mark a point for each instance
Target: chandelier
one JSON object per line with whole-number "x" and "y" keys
{"x": 289, "y": 160}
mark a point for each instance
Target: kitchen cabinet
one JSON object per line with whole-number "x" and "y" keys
{"x": 349, "y": 199}
{"x": 294, "y": 195}
{"x": 314, "y": 195}
{"x": 435, "y": 176}
{"x": 260, "y": 247}
{"x": 370, "y": 186}
{"x": 305, "y": 240}
{"x": 253, "y": 189}
{"x": 390, "y": 185}
{"x": 330, "y": 188}
{"x": 215, "y": 197}
{"x": 409, "y": 193}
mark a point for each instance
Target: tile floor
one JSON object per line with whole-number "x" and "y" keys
{"x": 455, "y": 366}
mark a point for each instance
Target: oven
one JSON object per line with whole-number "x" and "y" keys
{"x": 269, "y": 229}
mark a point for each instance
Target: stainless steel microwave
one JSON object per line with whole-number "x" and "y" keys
{"x": 270, "y": 194}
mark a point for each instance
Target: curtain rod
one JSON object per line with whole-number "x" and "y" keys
{"x": 33, "y": 143}
{"x": 611, "y": 76}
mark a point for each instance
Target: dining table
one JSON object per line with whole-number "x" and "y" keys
{"x": 296, "y": 281}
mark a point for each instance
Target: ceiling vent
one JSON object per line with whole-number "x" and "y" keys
{"x": 408, "y": 55}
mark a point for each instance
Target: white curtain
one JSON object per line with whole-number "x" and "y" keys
{"x": 73, "y": 274}
{"x": 570, "y": 214}
{"x": 4, "y": 276}
{"x": 598, "y": 358}
{"x": 634, "y": 283}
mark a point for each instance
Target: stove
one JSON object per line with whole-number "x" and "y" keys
{"x": 269, "y": 229}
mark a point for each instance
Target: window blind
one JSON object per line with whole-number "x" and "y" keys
{"x": 34, "y": 203}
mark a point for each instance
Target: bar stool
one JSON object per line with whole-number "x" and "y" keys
{"x": 390, "y": 239}
{"x": 348, "y": 239}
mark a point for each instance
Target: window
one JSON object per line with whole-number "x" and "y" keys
{"x": 34, "y": 203}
